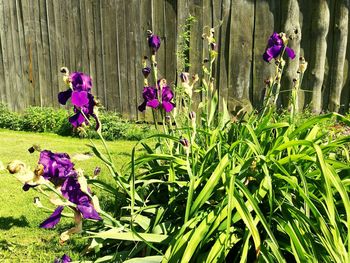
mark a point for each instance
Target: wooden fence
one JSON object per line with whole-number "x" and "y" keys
{"x": 107, "y": 39}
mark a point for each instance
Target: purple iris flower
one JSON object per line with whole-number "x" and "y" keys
{"x": 81, "y": 98}
{"x": 150, "y": 97}
{"x": 63, "y": 259}
{"x": 81, "y": 85}
{"x": 56, "y": 166}
{"x": 275, "y": 47}
{"x": 154, "y": 42}
{"x": 72, "y": 191}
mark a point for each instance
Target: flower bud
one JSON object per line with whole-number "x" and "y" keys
{"x": 284, "y": 38}
{"x": 184, "y": 76}
{"x": 162, "y": 83}
{"x": 153, "y": 41}
{"x": 167, "y": 119}
{"x": 302, "y": 65}
{"x": 192, "y": 115}
{"x": 184, "y": 142}
{"x": 97, "y": 171}
{"x": 146, "y": 71}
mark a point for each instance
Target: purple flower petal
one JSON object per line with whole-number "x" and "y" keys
{"x": 63, "y": 259}
{"x": 142, "y": 106}
{"x": 275, "y": 39}
{"x": 64, "y": 96}
{"x": 149, "y": 93}
{"x": 154, "y": 42}
{"x": 77, "y": 119}
{"x": 153, "y": 103}
{"x": 274, "y": 51}
{"x": 146, "y": 71}
{"x": 56, "y": 166}
{"x": 290, "y": 52}
{"x": 167, "y": 94}
{"x": 88, "y": 212}
{"x": 53, "y": 219}
{"x": 167, "y": 106}
{"x": 80, "y": 99}
{"x": 267, "y": 57}
{"x": 81, "y": 81}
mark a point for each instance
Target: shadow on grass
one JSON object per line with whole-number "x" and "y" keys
{"x": 8, "y": 222}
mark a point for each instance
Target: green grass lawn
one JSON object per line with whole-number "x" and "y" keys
{"x": 21, "y": 240}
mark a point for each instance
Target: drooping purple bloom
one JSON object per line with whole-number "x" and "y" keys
{"x": 154, "y": 42}
{"x": 275, "y": 47}
{"x": 146, "y": 71}
{"x": 53, "y": 219}
{"x": 150, "y": 96}
{"x": 56, "y": 166}
{"x": 71, "y": 190}
{"x": 63, "y": 259}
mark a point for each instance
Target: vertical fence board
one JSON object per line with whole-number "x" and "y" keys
{"x": 306, "y": 9}
{"x": 122, "y": 60}
{"x": 222, "y": 65}
{"x": 339, "y": 52}
{"x": 5, "y": 98}
{"x": 56, "y": 35}
{"x": 320, "y": 27}
{"x": 241, "y": 43}
{"x": 8, "y": 53}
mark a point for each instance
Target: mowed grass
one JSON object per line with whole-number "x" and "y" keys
{"x": 21, "y": 240}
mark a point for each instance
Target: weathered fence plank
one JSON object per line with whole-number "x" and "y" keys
{"x": 107, "y": 39}
{"x": 320, "y": 28}
{"x": 339, "y": 47}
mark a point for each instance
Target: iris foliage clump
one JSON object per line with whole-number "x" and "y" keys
{"x": 211, "y": 187}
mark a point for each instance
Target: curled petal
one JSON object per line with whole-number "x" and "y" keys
{"x": 53, "y": 219}
{"x": 64, "y": 96}
{"x": 290, "y": 52}
{"x": 80, "y": 99}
